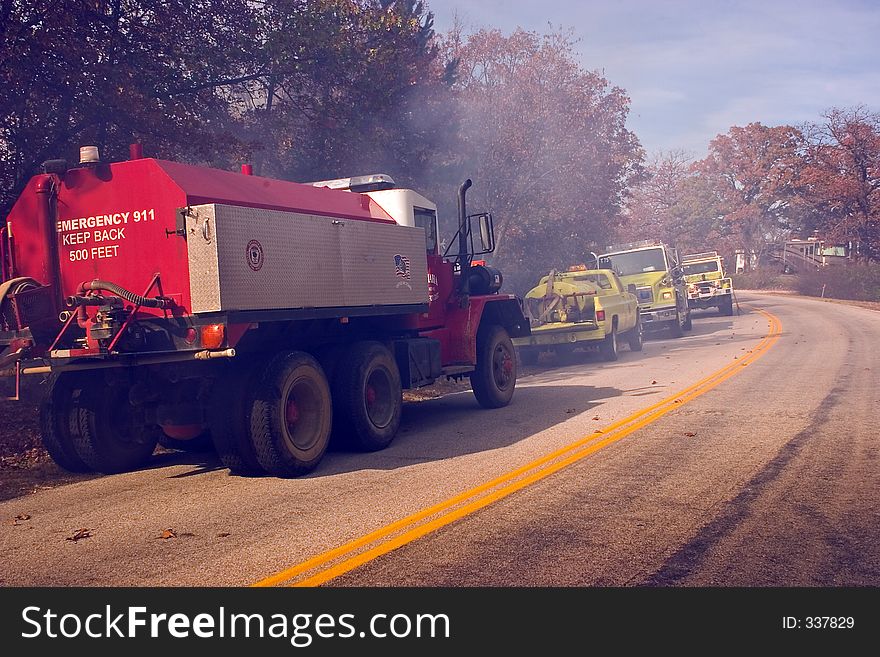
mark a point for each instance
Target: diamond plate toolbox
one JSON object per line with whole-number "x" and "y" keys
{"x": 244, "y": 258}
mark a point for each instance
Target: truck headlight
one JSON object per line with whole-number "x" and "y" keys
{"x": 666, "y": 295}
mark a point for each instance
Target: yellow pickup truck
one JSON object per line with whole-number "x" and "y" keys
{"x": 580, "y": 308}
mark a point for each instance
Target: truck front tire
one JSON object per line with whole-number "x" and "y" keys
{"x": 291, "y": 415}
{"x": 367, "y": 398}
{"x": 726, "y": 307}
{"x": 676, "y": 330}
{"x": 494, "y": 378}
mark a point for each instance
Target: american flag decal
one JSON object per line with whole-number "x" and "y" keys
{"x": 401, "y": 266}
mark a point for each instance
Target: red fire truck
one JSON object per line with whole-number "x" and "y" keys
{"x": 176, "y": 303}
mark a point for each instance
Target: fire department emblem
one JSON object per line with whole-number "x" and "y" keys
{"x": 254, "y": 254}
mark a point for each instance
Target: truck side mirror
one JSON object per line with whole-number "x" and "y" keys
{"x": 486, "y": 232}
{"x": 631, "y": 288}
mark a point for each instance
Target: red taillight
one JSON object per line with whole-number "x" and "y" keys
{"x": 213, "y": 335}
{"x": 600, "y": 315}
{"x": 20, "y": 343}
{"x": 190, "y": 336}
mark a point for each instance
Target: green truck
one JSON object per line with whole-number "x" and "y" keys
{"x": 652, "y": 267}
{"x": 580, "y": 308}
{"x": 707, "y": 286}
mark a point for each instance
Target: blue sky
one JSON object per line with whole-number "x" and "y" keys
{"x": 693, "y": 69}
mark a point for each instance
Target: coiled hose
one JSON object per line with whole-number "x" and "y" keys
{"x": 118, "y": 290}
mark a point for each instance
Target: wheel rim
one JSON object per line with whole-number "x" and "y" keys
{"x": 301, "y": 405}
{"x": 379, "y": 398}
{"x": 502, "y": 367}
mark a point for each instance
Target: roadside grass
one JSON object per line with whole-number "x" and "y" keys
{"x": 858, "y": 284}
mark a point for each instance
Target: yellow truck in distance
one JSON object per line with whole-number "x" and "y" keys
{"x": 580, "y": 308}
{"x": 707, "y": 286}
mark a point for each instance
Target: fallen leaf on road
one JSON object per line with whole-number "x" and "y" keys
{"x": 689, "y": 434}
{"x": 677, "y": 401}
{"x": 653, "y": 383}
{"x": 79, "y": 534}
{"x": 570, "y": 410}
{"x": 223, "y": 534}
{"x": 735, "y": 357}
{"x": 168, "y": 533}
{"x": 22, "y": 517}
{"x": 598, "y": 431}
{"x": 595, "y": 417}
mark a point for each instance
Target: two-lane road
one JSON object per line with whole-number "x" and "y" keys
{"x": 742, "y": 454}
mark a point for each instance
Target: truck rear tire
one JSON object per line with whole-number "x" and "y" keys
{"x": 291, "y": 415}
{"x": 494, "y": 378}
{"x": 636, "y": 336}
{"x": 229, "y": 420}
{"x": 111, "y": 438}
{"x": 367, "y": 398}
{"x": 58, "y": 418}
{"x": 528, "y": 355}
{"x": 608, "y": 348}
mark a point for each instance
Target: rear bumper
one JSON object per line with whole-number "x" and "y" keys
{"x": 568, "y": 334}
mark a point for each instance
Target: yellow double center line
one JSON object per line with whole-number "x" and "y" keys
{"x": 347, "y": 557}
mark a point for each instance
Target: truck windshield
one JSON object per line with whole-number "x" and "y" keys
{"x": 700, "y": 267}
{"x": 634, "y": 262}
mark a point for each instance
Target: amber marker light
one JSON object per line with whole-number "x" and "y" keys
{"x": 213, "y": 336}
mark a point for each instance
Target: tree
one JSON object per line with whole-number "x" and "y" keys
{"x": 841, "y": 179}
{"x": 348, "y": 87}
{"x": 648, "y": 208}
{"x": 754, "y": 173}
{"x": 108, "y": 72}
{"x": 547, "y": 143}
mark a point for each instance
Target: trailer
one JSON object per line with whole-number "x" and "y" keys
{"x": 182, "y": 304}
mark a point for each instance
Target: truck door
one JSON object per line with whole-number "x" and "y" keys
{"x": 439, "y": 272}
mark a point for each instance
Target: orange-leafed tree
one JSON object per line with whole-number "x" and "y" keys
{"x": 841, "y": 179}
{"x": 754, "y": 172}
